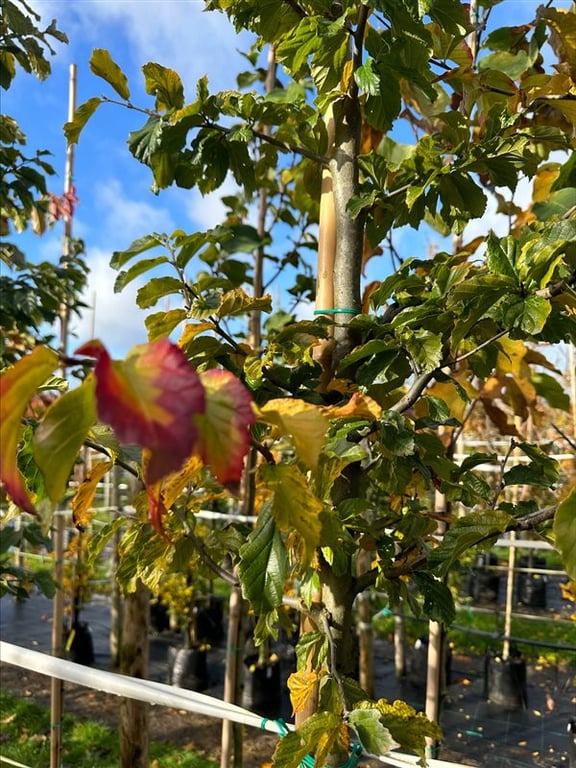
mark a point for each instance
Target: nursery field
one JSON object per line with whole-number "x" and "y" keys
{"x": 474, "y": 730}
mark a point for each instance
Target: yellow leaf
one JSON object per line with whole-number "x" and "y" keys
{"x": 546, "y": 175}
{"x": 84, "y": 496}
{"x": 303, "y": 687}
{"x": 294, "y": 506}
{"x": 304, "y": 422}
{"x": 360, "y": 406}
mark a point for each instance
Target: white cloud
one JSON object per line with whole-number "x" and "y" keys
{"x": 121, "y": 219}
{"x": 174, "y": 33}
{"x": 114, "y": 318}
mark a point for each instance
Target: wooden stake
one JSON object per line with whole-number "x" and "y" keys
{"x": 56, "y": 685}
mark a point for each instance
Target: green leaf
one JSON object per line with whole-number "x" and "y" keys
{"x": 102, "y": 65}
{"x": 119, "y": 258}
{"x": 144, "y": 142}
{"x": 551, "y": 390}
{"x": 396, "y": 434}
{"x": 424, "y": 347}
{"x": 263, "y": 565}
{"x": 165, "y": 84}
{"x": 318, "y": 735}
{"x": 367, "y": 78}
{"x": 162, "y": 324}
{"x": 529, "y": 314}
{"x": 438, "y": 600}
{"x": 82, "y": 114}
{"x": 145, "y": 265}
{"x": 61, "y": 434}
{"x": 465, "y": 533}
{"x": 154, "y": 290}
{"x": 557, "y": 205}
{"x": 542, "y": 471}
{"x": 372, "y": 735}
{"x": 565, "y": 532}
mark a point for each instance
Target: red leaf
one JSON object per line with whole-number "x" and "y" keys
{"x": 150, "y": 399}
{"x": 224, "y": 436}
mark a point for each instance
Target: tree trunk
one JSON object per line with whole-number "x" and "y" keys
{"x": 338, "y": 598}
{"x": 365, "y": 630}
{"x": 134, "y": 715}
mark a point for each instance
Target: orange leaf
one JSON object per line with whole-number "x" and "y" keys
{"x": 150, "y": 399}
{"x": 17, "y": 386}
{"x": 224, "y": 437}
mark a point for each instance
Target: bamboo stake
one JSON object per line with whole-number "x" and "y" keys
{"x": 57, "y": 689}
{"x": 56, "y": 685}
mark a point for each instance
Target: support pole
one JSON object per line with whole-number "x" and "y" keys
{"x": 509, "y": 597}
{"x": 231, "y": 730}
{"x": 56, "y": 685}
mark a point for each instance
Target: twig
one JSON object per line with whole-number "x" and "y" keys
{"x": 325, "y": 620}
{"x": 563, "y": 434}
{"x": 119, "y": 462}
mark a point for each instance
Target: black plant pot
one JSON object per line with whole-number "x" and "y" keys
{"x": 262, "y": 691}
{"x": 418, "y": 664}
{"x": 505, "y": 681}
{"x": 210, "y": 621}
{"x": 531, "y": 587}
{"x": 484, "y": 584}
{"x": 188, "y": 668}
{"x": 80, "y": 644}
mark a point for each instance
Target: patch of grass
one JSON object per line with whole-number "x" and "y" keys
{"x": 25, "y": 738}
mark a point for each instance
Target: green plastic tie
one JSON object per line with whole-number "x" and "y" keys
{"x": 280, "y": 724}
{"x": 336, "y": 311}
{"x": 354, "y": 757}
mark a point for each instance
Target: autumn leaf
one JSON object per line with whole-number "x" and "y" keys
{"x": 306, "y": 423}
{"x": 150, "y": 399}
{"x": 82, "y": 506}
{"x": 163, "y": 494}
{"x": 224, "y": 438}
{"x": 294, "y": 507}
{"x": 303, "y": 686}
{"x": 17, "y": 387}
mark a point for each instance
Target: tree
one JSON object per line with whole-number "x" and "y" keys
{"x": 354, "y": 412}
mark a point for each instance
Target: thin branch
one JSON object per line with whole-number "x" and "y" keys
{"x": 563, "y": 434}
{"x": 326, "y": 626}
{"x": 466, "y": 355}
{"x": 557, "y": 288}
{"x": 119, "y": 462}
{"x": 129, "y": 105}
{"x": 527, "y": 523}
{"x": 503, "y": 463}
{"x": 285, "y": 145}
{"x": 419, "y": 385}
{"x": 225, "y": 575}
{"x": 228, "y": 577}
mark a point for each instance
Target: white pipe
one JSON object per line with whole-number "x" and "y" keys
{"x": 121, "y": 685}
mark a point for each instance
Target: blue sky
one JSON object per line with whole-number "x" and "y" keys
{"x": 116, "y": 205}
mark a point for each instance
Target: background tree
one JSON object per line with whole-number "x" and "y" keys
{"x": 355, "y": 410}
